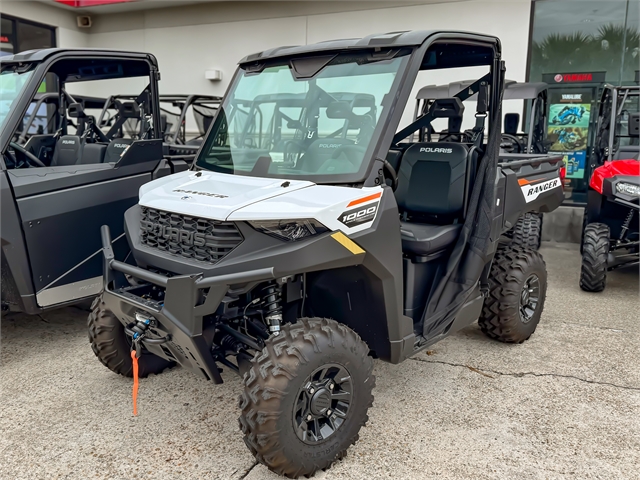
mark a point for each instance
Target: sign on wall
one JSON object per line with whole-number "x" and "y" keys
{"x": 90, "y": 3}
{"x": 580, "y": 77}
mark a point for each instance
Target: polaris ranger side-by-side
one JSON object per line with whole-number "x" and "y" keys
{"x": 61, "y": 182}
{"x": 287, "y": 258}
{"x": 611, "y": 232}
{"x": 173, "y": 116}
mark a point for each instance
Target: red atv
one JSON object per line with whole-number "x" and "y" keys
{"x": 610, "y": 236}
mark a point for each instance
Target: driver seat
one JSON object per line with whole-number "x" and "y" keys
{"x": 434, "y": 182}
{"x": 319, "y": 152}
{"x": 68, "y": 151}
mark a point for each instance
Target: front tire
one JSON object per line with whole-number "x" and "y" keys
{"x": 595, "y": 250}
{"x": 306, "y": 396}
{"x": 517, "y": 290}
{"x": 110, "y": 344}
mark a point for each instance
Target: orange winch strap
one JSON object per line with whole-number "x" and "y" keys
{"x": 134, "y": 359}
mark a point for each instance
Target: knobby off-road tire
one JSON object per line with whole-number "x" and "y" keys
{"x": 595, "y": 250}
{"x": 277, "y": 387}
{"x": 527, "y": 232}
{"x": 509, "y": 313}
{"x": 110, "y": 344}
{"x": 585, "y": 222}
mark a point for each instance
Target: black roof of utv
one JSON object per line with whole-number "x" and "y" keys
{"x": 45, "y": 53}
{"x": 385, "y": 40}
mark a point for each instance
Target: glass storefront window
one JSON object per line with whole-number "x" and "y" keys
{"x": 32, "y": 36}
{"x": 6, "y": 36}
{"x": 576, "y": 47}
{"x": 18, "y": 35}
{"x": 586, "y": 36}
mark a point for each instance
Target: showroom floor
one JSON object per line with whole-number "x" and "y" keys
{"x": 563, "y": 405}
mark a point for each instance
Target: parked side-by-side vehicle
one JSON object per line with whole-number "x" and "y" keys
{"x": 611, "y": 232}
{"x": 312, "y": 235}
{"x": 64, "y": 173}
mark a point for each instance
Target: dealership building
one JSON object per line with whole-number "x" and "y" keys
{"x": 576, "y": 46}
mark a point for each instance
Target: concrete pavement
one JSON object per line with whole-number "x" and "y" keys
{"x": 562, "y": 405}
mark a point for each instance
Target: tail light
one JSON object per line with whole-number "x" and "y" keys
{"x": 563, "y": 177}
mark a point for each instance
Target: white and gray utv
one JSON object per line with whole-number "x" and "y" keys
{"x": 311, "y": 237}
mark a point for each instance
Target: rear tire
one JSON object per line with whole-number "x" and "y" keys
{"x": 110, "y": 344}
{"x": 295, "y": 413}
{"x": 527, "y": 232}
{"x": 595, "y": 250}
{"x": 585, "y": 222}
{"x": 517, "y": 290}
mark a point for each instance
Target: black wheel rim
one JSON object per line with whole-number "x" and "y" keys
{"x": 323, "y": 403}
{"x": 529, "y": 298}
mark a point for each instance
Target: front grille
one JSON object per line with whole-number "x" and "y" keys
{"x": 190, "y": 237}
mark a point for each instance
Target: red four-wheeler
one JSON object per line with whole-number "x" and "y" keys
{"x": 284, "y": 255}
{"x": 610, "y": 238}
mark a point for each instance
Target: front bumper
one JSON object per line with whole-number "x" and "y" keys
{"x": 177, "y": 332}
{"x": 179, "y": 304}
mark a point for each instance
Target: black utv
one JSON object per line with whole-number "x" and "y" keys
{"x": 297, "y": 270}
{"x": 62, "y": 175}
{"x": 611, "y": 233}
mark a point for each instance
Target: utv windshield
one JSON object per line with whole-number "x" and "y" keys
{"x": 12, "y": 83}
{"x": 272, "y": 124}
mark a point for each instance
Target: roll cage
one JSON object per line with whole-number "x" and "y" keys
{"x": 619, "y": 107}
{"x": 203, "y": 107}
{"x": 533, "y": 133}
{"x": 299, "y": 101}
{"x": 52, "y": 116}
{"x": 72, "y": 65}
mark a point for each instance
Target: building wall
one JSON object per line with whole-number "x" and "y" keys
{"x": 68, "y": 33}
{"x": 189, "y": 40}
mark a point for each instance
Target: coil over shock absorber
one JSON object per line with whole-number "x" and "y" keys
{"x": 626, "y": 225}
{"x": 271, "y": 296}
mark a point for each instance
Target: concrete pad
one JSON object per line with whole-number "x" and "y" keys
{"x": 562, "y": 405}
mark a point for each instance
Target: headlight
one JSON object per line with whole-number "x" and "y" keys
{"x": 289, "y": 230}
{"x": 628, "y": 189}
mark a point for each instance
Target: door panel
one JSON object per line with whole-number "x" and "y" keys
{"x": 62, "y": 228}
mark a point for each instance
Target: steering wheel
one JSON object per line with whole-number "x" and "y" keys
{"x": 510, "y": 143}
{"x": 32, "y": 160}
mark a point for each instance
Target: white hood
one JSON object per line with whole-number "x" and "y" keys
{"x": 212, "y": 195}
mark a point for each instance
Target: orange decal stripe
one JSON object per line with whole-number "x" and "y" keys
{"x": 524, "y": 181}
{"x": 365, "y": 199}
